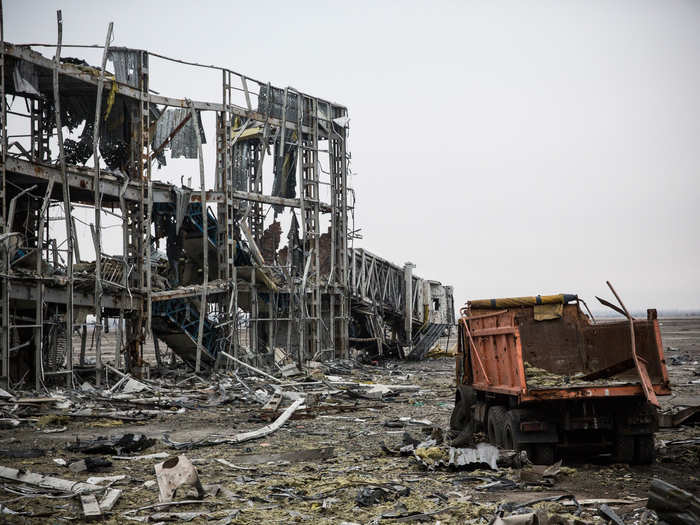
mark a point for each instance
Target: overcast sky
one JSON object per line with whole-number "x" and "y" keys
{"x": 506, "y": 148}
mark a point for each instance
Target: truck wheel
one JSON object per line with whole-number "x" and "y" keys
{"x": 462, "y": 411}
{"x": 644, "y": 452}
{"x": 496, "y": 422}
{"x": 543, "y": 454}
{"x": 511, "y": 426}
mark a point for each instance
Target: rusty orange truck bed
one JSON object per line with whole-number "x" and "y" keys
{"x": 536, "y": 373}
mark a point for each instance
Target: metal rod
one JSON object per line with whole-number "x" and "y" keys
{"x": 97, "y": 230}
{"x": 39, "y": 306}
{"x": 205, "y": 242}
{"x": 13, "y": 205}
{"x": 256, "y": 370}
{"x": 66, "y": 196}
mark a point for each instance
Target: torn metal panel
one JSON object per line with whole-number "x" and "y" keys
{"x": 125, "y": 65}
{"x": 184, "y": 142}
{"x": 285, "y": 182}
{"x": 271, "y": 101}
{"x": 26, "y": 78}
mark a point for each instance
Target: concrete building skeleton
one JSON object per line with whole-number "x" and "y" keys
{"x": 311, "y": 300}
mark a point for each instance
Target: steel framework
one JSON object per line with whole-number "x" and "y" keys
{"x": 222, "y": 286}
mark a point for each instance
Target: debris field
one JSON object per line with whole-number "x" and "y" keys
{"x": 364, "y": 445}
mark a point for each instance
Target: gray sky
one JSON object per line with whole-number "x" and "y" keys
{"x": 507, "y": 148}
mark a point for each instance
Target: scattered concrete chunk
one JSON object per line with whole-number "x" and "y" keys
{"x": 91, "y": 509}
{"x": 110, "y": 499}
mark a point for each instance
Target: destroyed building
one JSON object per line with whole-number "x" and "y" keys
{"x": 200, "y": 268}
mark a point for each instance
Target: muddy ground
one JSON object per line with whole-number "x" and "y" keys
{"x": 325, "y": 491}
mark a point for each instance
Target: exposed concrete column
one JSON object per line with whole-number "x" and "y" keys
{"x": 408, "y": 283}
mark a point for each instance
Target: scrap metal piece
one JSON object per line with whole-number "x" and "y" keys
{"x": 174, "y": 473}
{"x": 482, "y": 454}
{"x": 610, "y": 514}
{"x": 113, "y": 445}
{"x": 672, "y": 504}
{"x": 644, "y": 378}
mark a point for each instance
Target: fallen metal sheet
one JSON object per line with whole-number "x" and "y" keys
{"x": 482, "y": 454}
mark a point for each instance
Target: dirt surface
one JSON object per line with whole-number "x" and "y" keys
{"x": 326, "y": 491}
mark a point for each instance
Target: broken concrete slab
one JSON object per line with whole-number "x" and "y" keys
{"x": 91, "y": 509}
{"x": 110, "y": 499}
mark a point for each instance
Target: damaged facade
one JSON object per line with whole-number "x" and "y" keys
{"x": 200, "y": 270}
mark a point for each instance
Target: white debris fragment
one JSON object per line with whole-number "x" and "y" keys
{"x": 133, "y": 386}
{"x": 107, "y": 479}
{"x": 157, "y": 455}
{"x": 482, "y": 453}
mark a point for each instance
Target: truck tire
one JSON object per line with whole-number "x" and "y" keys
{"x": 496, "y": 422}
{"x": 462, "y": 411}
{"x": 644, "y": 451}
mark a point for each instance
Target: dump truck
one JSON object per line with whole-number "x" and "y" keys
{"x": 538, "y": 374}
